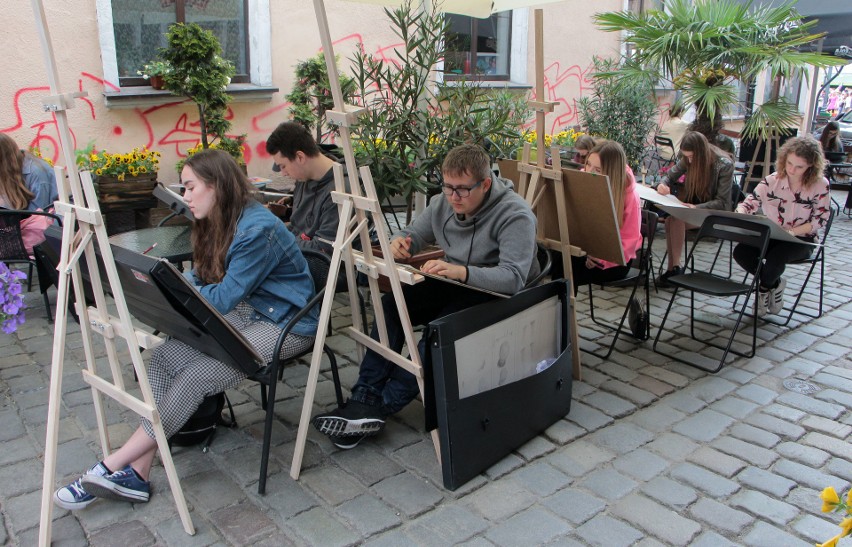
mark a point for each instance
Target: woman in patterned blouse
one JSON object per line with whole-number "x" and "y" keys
{"x": 796, "y": 197}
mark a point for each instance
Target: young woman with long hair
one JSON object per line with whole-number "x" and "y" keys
{"x": 796, "y": 197}
{"x": 708, "y": 173}
{"x": 608, "y": 158}
{"x": 26, "y": 182}
{"x": 830, "y": 137}
{"x": 248, "y": 266}
{"x": 582, "y": 147}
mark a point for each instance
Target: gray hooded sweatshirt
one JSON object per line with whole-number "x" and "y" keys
{"x": 497, "y": 243}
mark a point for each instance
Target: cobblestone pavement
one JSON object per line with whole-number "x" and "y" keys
{"x": 652, "y": 452}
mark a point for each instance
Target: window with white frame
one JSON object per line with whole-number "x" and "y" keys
{"x": 132, "y": 31}
{"x": 479, "y": 48}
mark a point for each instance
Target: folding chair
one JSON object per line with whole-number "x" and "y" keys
{"x": 724, "y": 229}
{"x": 663, "y": 154}
{"x": 269, "y": 375}
{"x": 635, "y": 277}
{"x": 545, "y": 263}
{"x": 817, "y": 258}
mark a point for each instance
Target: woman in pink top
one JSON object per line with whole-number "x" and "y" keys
{"x": 796, "y": 197}
{"x": 608, "y": 158}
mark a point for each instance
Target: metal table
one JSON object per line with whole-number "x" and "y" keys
{"x": 172, "y": 242}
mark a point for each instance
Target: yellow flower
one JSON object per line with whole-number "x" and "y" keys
{"x": 830, "y": 499}
{"x": 846, "y": 525}
{"x": 143, "y": 169}
{"x": 830, "y": 543}
{"x": 99, "y": 171}
{"x": 94, "y": 157}
{"x": 121, "y": 176}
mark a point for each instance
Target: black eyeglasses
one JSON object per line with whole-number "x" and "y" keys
{"x": 460, "y": 191}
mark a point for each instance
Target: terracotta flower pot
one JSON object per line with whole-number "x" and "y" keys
{"x": 157, "y": 82}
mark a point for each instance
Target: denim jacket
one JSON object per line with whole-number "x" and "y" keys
{"x": 265, "y": 268}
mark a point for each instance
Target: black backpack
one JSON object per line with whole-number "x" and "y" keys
{"x": 201, "y": 426}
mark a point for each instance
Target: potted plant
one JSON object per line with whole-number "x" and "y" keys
{"x": 704, "y": 48}
{"x": 155, "y": 72}
{"x": 231, "y": 145}
{"x": 11, "y": 295}
{"x": 311, "y": 96}
{"x": 123, "y": 181}
{"x": 200, "y": 73}
{"x": 412, "y": 120}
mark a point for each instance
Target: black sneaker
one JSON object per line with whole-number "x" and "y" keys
{"x": 346, "y": 442}
{"x": 353, "y": 418}
{"x": 663, "y": 280}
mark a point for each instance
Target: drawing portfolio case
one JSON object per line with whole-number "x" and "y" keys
{"x": 500, "y": 375}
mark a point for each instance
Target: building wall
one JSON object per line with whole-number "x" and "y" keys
{"x": 570, "y": 42}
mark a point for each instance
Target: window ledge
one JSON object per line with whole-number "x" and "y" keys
{"x": 492, "y": 84}
{"x": 142, "y": 96}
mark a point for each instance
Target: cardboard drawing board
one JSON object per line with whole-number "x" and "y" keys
{"x": 591, "y": 216}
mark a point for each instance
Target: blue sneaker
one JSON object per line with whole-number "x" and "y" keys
{"x": 74, "y": 496}
{"x": 124, "y": 485}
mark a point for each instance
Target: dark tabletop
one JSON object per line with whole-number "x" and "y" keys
{"x": 173, "y": 242}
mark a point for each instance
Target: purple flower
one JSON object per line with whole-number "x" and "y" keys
{"x": 9, "y": 326}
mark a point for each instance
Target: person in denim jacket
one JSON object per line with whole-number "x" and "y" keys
{"x": 248, "y": 266}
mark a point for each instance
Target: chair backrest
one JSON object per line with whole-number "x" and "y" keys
{"x": 11, "y": 242}
{"x": 319, "y": 265}
{"x": 738, "y": 230}
{"x": 833, "y": 210}
{"x": 663, "y": 141}
{"x": 545, "y": 263}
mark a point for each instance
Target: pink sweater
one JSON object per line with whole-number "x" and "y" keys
{"x": 631, "y": 222}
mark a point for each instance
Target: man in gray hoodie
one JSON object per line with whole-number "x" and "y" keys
{"x": 487, "y": 233}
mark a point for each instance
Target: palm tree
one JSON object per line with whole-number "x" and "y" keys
{"x": 706, "y": 47}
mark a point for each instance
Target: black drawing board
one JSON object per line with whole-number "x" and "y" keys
{"x": 488, "y": 397}
{"x": 158, "y": 295}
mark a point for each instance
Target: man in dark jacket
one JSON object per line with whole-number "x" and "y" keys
{"x": 314, "y": 217}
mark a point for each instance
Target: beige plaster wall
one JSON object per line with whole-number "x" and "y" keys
{"x": 570, "y": 42}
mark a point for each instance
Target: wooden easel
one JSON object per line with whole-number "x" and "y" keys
{"x": 774, "y": 143}
{"x": 536, "y": 181}
{"x": 353, "y": 208}
{"x": 82, "y": 221}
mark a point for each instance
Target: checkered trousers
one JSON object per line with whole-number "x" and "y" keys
{"x": 181, "y": 376}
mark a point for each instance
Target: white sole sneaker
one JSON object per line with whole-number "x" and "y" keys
{"x": 776, "y": 297}
{"x": 763, "y": 299}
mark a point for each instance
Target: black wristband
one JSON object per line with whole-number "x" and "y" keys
{"x": 466, "y": 274}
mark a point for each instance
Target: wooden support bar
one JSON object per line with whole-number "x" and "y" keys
{"x": 542, "y": 106}
{"x": 56, "y": 103}
{"x": 381, "y": 266}
{"x": 122, "y": 397}
{"x": 391, "y": 356}
{"x": 360, "y": 202}
{"x": 550, "y": 174}
{"x": 348, "y": 118}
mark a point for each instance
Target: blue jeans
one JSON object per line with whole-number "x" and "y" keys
{"x": 386, "y": 385}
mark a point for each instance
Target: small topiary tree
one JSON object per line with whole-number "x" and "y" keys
{"x": 311, "y": 95}
{"x": 200, "y": 73}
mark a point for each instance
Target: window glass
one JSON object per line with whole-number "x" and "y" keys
{"x": 140, "y": 27}
{"x": 479, "y": 48}
{"x": 226, "y": 19}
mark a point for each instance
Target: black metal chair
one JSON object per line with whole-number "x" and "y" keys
{"x": 662, "y": 155}
{"x": 12, "y": 249}
{"x": 737, "y": 230}
{"x": 269, "y": 376}
{"x": 817, "y": 258}
{"x": 640, "y": 274}
{"x": 545, "y": 263}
